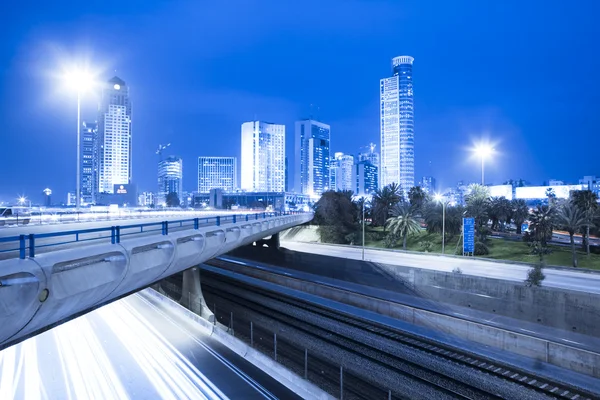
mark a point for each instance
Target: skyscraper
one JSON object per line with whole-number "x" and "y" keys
{"x": 368, "y": 153}
{"x": 428, "y": 184}
{"x": 397, "y": 126}
{"x": 114, "y": 136}
{"x": 217, "y": 173}
{"x": 311, "y": 142}
{"x": 343, "y": 175}
{"x": 170, "y": 178}
{"x": 89, "y": 161}
{"x": 263, "y": 157}
{"x": 366, "y": 178}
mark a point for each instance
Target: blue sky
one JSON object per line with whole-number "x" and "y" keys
{"x": 523, "y": 74}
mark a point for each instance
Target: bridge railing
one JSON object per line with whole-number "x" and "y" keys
{"x": 26, "y": 244}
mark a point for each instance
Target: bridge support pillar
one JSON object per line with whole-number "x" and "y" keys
{"x": 273, "y": 242}
{"x": 191, "y": 294}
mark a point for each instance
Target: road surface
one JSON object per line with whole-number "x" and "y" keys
{"x": 566, "y": 279}
{"x": 131, "y": 349}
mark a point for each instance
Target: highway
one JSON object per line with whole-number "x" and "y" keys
{"x": 135, "y": 348}
{"x": 566, "y": 279}
{"x": 13, "y": 230}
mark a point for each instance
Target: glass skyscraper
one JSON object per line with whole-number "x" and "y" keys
{"x": 397, "y": 163}
{"x": 263, "y": 157}
{"x": 366, "y": 178}
{"x": 217, "y": 173}
{"x": 311, "y": 142}
{"x": 343, "y": 174}
{"x": 114, "y": 136}
{"x": 170, "y": 179}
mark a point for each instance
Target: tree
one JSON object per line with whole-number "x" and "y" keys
{"x": 572, "y": 219}
{"x": 172, "y": 200}
{"x": 403, "y": 222}
{"x": 477, "y": 191}
{"x": 551, "y": 195}
{"x": 432, "y": 215}
{"x": 335, "y": 214}
{"x": 542, "y": 222}
{"x": 417, "y": 198}
{"x": 383, "y": 201}
{"x": 500, "y": 211}
{"x": 520, "y": 212}
{"x": 587, "y": 202}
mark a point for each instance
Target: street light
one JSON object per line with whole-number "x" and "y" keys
{"x": 439, "y": 198}
{"x": 22, "y": 201}
{"x": 363, "y": 229}
{"x": 79, "y": 80}
{"x": 483, "y": 151}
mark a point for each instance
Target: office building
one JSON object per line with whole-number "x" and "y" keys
{"x": 428, "y": 185}
{"x": 397, "y": 162}
{"x": 342, "y": 172}
{"x": 114, "y": 136}
{"x": 170, "y": 179}
{"x": 263, "y": 157}
{"x": 217, "y": 173}
{"x": 146, "y": 199}
{"x": 311, "y": 142}
{"x": 591, "y": 183}
{"x": 88, "y": 162}
{"x": 369, "y": 154}
{"x": 366, "y": 178}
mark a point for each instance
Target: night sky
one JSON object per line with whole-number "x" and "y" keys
{"x": 524, "y": 74}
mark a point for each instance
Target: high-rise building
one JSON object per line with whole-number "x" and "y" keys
{"x": 217, "y": 173}
{"x": 342, "y": 172}
{"x": 366, "y": 178}
{"x": 114, "y": 136}
{"x": 89, "y": 161}
{"x": 311, "y": 142}
{"x": 368, "y": 153}
{"x": 428, "y": 184}
{"x": 263, "y": 157}
{"x": 287, "y": 175}
{"x": 397, "y": 126}
{"x": 170, "y": 179}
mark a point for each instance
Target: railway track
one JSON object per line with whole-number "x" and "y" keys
{"x": 450, "y": 386}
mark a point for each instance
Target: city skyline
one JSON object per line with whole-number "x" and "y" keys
{"x": 482, "y": 96}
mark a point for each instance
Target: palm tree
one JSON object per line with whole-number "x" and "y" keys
{"x": 383, "y": 201}
{"x": 417, "y": 198}
{"x": 500, "y": 211}
{"x": 520, "y": 212}
{"x": 572, "y": 219}
{"x": 542, "y": 222}
{"x": 587, "y": 202}
{"x": 403, "y": 222}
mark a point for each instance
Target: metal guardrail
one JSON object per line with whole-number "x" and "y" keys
{"x": 26, "y": 243}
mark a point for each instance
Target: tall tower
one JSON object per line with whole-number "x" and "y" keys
{"x": 397, "y": 164}
{"x": 263, "y": 157}
{"x": 311, "y": 142}
{"x": 89, "y": 161}
{"x": 114, "y": 136}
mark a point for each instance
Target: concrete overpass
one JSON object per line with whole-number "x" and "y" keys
{"x": 39, "y": 291}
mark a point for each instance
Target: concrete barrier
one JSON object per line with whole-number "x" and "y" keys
{"x": 57, "y": 285}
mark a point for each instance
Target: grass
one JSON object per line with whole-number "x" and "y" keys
{"x": 500, "y": 249}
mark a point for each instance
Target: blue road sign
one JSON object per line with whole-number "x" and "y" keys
{"x": 468, "y": 235}
{"x": 524, "y": 227}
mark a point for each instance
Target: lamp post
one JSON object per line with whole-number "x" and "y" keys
{"x": 363, "y": 229}
{"x": 440, "y": 199}
{"x": 80, "y": 80}
{"x": 483, "y": 150}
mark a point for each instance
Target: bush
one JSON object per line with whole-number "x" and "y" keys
{"x": 535, "y": 276}
{"x": 374, "y": 236}
{"x": 457, "y": 270}
{"x": 390, "y": 240}
{"x": 481, "y": 249}
{"x": 426, "y": 245}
